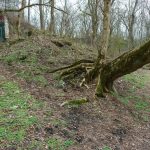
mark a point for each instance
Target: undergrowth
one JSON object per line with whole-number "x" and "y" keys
{"x": 15, "y": 112}
{"x": 137, "y": 80}
{"x": 139, "y": 102}
{"x": 18, "y": 113}
{"x": 57, "y": 144}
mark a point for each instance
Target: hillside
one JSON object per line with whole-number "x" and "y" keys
{"x": 30, "y": 99}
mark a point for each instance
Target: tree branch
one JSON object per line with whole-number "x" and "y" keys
{"x": 32, "y": 5}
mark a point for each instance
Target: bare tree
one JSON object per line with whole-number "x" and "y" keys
{"x": 23, "y": 4}
{"x": 128, "y": 18}
{"x": 64, "y": 24}
{"x": 20, "y": 18}
{"x": 131, "y": 20}
{"x": 42, "y": 26}
{"x": 93, "y": 7}
{"x": 147, "y": 20}
{"x": 91, "y": 10}
{"x": 52, "y": 21}
{"x": 29, "y": 2}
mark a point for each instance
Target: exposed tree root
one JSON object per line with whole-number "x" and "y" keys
{"x": 74, "y": 65}
{"x": 108, "y": 72}
{"x": 77, "y": 70}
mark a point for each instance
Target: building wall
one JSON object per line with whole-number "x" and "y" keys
{"x": 2, "y": 28}
{"x": 6, "y": 27}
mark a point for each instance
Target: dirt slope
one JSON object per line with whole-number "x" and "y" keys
{"x": 119, "y": 122}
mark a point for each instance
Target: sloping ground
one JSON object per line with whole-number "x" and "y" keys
{"x": 31, "y": 115}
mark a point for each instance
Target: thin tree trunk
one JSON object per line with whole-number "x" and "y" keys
{"x": 23, "y": 5}
{"x": 94, "y": 18}
{"x": 41, "y": 15}
{"x": 63, "y": 21}
{"x": 29, "y": 11}
{"x": 20, "y": 19}
{"x": 104, "y": 42}
{"x": 52, "y": 22}
{"x": 131, "y": 39}
{"x": 19, "y": 25}
{"x": 131, "y": 25}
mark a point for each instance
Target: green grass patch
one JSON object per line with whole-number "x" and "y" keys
{"x": 10, "y": 58}
{"x": 142, "y": 105}
{"x": 20, "y": 56}
{"x": 137, "y": 80}
{"x": 60, "y": 84}
{"x": 139, "y": 102}
{"x": 106, "y": 148}
{"x": 29, "y": 76}
{"x": 57, "y": 144}
{"x": 36, "y": 145}
{"x": 59, "y": 122}
{"x": 40, "y": 80}
{"x": 15, "y": 107}
{"x": 145, "y": 118}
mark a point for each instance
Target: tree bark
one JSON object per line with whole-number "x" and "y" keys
{"x": 93, "y": 7}
{"x": 104, "y": 42}
{"x": 29, "y": 11}
{"x": 131, "y": 25}
{"x": 20, "y": 19}
{"x": 125, "y": 64}
{"x": 52, "y": 22}
{"x": 41, "y": 15}
{"x": 23, "y": 5}
{"x": 19, "y": 25}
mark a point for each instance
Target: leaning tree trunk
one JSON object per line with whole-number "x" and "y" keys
{"x": 52, "y": 22}
{"x": 125, "y": 64}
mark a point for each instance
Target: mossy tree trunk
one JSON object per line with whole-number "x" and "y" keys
{"x": 125, "y": 64}
{"x": 103, "y": 44}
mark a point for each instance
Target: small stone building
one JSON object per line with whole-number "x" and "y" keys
{"x": 4, "y": 29}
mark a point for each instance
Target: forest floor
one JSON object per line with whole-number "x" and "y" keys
{"x": 31, "y": 117}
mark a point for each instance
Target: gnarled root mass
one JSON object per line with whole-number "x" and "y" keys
{"x": 108, "y": 72}
{"x": 76, "y": 69}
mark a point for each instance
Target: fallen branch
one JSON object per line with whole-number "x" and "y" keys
{"x": 76, "y": 102}
{"x": 83, "y": 61}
